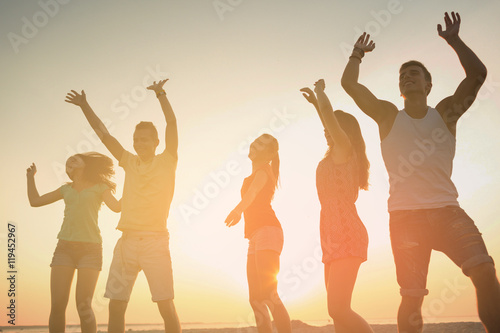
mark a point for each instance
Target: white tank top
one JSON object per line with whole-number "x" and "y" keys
{"x": 418, "y": 155}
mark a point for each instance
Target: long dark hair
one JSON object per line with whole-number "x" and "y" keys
{"x": 351, "y": 127}
{"x": 98, "y": 169}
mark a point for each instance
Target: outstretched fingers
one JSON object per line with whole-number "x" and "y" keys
{"x": 308, "y": 94}
{"x": 452, "y": 25}
{"x": 74, "y": 97}
{"x": 157, "y": 85}
{"x": 362, "y": 38}
{"x": 365, "y": 43}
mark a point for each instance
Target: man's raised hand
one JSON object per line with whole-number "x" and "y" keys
{"x": 31, "y": 171}
{"x": 157, "y": 87}
{"x": 364, "y": 43}
{"x": 452, "y": 26}
{"x": 75, "y": 98}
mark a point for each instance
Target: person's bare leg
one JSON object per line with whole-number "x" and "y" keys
{"x": 341, "y": 277}
{"x": 85, "y": 287}
{"x": 410, "y": 315}
{"x": 60, "y": 286}
{"x": 116, "y": 322}
{"x": 262, "y": 319}
{"x": 484, "y": 278}
{"x": 169, "y": 315}
{"x": 268, "y": 266}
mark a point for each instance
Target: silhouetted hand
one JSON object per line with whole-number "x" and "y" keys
{"x": 157, "y": 87}
{"x": 364, "y": 43}
{"x": 233, "y": 218}
{"x": 75, "y": 98}
{"x": 309, "y": 95}
{"x": 452, "y": 26}
{"x": 31, "y": 171}
{"x": 319, "y": 86}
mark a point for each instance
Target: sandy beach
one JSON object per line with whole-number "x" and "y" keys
{"x": 300, "y": 327}
{"x": 297, "y": 327}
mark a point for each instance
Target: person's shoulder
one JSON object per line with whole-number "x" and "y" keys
{"x": 65, "y": 187}
{"x": 126, "y": 158}
{"x": 168, "y": 158}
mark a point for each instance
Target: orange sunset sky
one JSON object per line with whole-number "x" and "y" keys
{"x": 235, "y": 69}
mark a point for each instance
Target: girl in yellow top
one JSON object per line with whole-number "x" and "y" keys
{"x": 80, "y": 243}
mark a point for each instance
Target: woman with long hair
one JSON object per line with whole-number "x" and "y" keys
{"x": 265, "y": 235}
{"x": 344, "y": 240}
{"x": 80, "y": 243}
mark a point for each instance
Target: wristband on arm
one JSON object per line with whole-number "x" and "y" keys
{"x": 357, "y": 53}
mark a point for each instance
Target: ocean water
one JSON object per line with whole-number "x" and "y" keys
{"x": 148, "y": 327}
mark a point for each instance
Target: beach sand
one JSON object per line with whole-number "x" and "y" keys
{"x": 300, "y": 327}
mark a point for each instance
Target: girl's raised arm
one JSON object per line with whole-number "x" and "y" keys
{"x": 331, "y": 123}
{"x": 35, "y": 199}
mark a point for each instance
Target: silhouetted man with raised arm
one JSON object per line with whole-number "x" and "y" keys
{"x": 147, "y": 194}
{"x": 418, "y": 147}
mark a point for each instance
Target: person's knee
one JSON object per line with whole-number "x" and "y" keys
{"x": 84, "y": 308}
{"x": 255, "y": 301}
{"x": 117, "y": 308}
{"x": 58, "y": 307}
{"x": 167, "y": 308}
{"x": 255, "y": 296}
{"x": 338, "y": 312}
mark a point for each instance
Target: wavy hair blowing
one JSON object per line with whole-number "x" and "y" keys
{"x": 351, "y": 127}
{"x": 98, "y": 169}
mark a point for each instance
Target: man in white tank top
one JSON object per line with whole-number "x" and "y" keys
{"x": 418, "y": 146}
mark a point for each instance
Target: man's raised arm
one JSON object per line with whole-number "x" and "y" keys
{"x": 114, "y": 147}
{"x": 452, "y": 107}
{"x": 171, "y": 136}
{"x": 378, "y": 110}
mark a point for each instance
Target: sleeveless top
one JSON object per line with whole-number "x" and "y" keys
{"x": 418, "y": 155}
{"x": 260, "y": 213}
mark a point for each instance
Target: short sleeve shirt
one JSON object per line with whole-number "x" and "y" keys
{"x": 147, "y": 192}
{"x": 80, "y": 213}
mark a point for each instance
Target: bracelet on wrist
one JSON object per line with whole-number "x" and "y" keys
{"x": 360, "y": 51}
{"x": 356, "y": 57}
{"x": 158, "y": 94}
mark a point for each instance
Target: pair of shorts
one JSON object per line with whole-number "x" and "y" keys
{"x": 77, "y": 255}
{"x": 415, "y": 233}
{"x": 136, "y": 251}
{"x": 266, "y": 238}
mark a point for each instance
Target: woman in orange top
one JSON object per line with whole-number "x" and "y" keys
{"x": 265, "y": 235}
